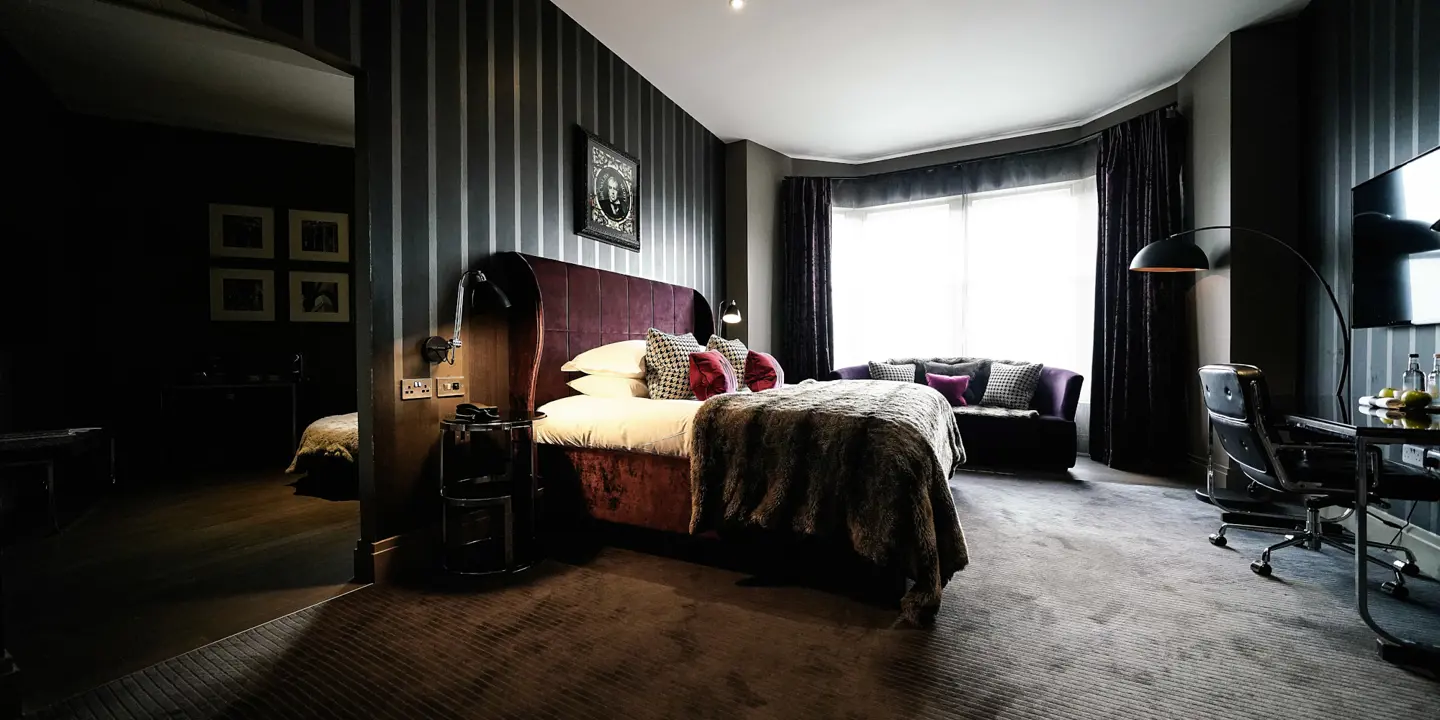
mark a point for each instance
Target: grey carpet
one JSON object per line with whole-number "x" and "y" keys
{"x": 1083, "y": 600}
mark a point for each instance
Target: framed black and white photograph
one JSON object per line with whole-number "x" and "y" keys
{"x": 319, "y": 236}
{"x": 319, "y": 297}
{"x": 240, "y": 294}
{"x": 607, "y": 204}
{"x": 240, "y": 231}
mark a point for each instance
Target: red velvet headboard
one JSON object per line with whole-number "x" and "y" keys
{"x": 560, "y": 310}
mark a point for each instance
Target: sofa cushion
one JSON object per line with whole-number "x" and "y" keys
{"x": 1014, "y": 439}
{"x": 978, "y": 370}
{"x": 952, "y": 387}
{"x": 1011, "y": 386}
{"x": 893, "y": 373}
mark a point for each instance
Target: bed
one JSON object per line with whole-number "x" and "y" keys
{"x": 671, "y": 465}
{"x": 326, "y": 457}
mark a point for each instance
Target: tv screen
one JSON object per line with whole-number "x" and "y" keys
{"x": 1396, "y": 254}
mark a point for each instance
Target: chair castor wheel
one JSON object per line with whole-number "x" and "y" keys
{"x": 1218, "y": 540}
{"x": 1407, "y": 568}
{"x": 1395, "y": 590}
{"x": 1260, "y": 568}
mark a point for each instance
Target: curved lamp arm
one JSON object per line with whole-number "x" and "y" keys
{"x": 437, "y": 349}
{"x": 1334, "y": 302}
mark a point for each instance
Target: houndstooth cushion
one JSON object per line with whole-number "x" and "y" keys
{"x": 734, "y": 351}
{"x": 1012, "y": 385}
{"x": 667, "y": 364}
{"x": 895, "y": 373}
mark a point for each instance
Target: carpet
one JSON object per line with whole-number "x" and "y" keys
{"x": 1083, "y": 600}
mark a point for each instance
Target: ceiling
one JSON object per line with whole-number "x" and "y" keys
{"x": 864, "y": 80}
{"x": 164, "y": 61}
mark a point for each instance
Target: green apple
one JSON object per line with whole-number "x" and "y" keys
{"x": 1388, "y": 392}
{"x": 1416, "y": 398}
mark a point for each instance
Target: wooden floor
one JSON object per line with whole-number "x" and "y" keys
{"x": 145, "y": 576}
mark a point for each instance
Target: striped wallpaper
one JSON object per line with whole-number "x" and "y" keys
{"x": 470, "y": 112}
{"x": 1372, "y": 101}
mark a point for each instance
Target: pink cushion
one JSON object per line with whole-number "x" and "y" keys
{"x": 952, "y": 387}
{"x": 762, "y": 372}
{"x": 711, "y": 375}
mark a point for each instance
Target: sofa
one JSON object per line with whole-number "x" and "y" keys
{"x": 1047, "y": 442}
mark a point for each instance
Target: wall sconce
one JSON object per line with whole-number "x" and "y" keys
{"x": 729, "y": 315}
{"x": 437, "y": 349}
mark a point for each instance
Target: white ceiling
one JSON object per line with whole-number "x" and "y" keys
{"x": 864, "y": 80}
{"x": 101, "y": 58}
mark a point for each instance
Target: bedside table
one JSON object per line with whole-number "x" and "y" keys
{"x": 490, "y": 494}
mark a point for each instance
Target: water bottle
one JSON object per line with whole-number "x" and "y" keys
{"x": 1413, "y": 379}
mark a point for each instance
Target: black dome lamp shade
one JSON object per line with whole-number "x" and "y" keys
{"x": 1177, "y": 254}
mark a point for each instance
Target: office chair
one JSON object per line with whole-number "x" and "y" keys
{"x": 1275, "y": 458}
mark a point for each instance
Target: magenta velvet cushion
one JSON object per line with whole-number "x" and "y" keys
{"x": 952, "y": 387}
{"x": 711, "y": 375}
{"x": 763, "y": 372}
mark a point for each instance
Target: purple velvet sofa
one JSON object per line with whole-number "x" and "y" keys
{"x": 1047, "y": 442}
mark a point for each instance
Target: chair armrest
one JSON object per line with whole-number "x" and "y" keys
{"x": 1058, "y": 393}
{"x": 854, "y": 372}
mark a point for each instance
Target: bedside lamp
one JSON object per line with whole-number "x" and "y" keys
{"x": 729, "y": 315}
{"x": 437, "y": 349}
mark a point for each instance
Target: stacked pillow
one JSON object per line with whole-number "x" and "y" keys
{"x": 677, "y": 367}
{"x": 614, "y": 370}
{"x": 993, "y": 383}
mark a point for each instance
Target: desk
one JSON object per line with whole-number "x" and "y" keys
{"x": 1368, "y": 431}
{"x": 41, "y": 449}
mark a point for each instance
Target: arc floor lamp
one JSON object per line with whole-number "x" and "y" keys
{"x": 1178, "y": 254}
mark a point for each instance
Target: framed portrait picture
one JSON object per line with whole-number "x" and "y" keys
{"x": 322, "y": 236}
{"x": 319, "y": 297}
{"x": 241, "y": 231}
{"x": 242, "y": 294}
{"x": 608, "y": 198}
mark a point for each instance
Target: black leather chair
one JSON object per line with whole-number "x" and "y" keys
{"x": 1278, "y": 459}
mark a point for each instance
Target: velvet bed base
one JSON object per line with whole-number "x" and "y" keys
{"x": 627, "y": 488}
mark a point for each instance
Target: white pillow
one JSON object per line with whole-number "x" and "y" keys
{"x": 609, "y": 386}
{"x": 624, "y": 359}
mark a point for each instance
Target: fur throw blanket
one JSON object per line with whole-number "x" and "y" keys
{"x": 861, "y": 460}
{"x": 334, "y": 437}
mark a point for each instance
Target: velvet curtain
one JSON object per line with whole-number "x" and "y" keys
{"x": 1036, "y": 167}
{"x": 807, "y": 340}
{"x": 1138, "y": 411}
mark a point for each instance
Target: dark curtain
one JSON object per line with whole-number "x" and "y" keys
{"x": 1037, "y": 167}
{"x": 1138, "y": 415}
{"x": 807, "y": 340}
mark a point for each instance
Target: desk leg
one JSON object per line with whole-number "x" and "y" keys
{"x": 1392, "y": 648}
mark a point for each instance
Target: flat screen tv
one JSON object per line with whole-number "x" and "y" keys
{"x": 1396, "y": 250}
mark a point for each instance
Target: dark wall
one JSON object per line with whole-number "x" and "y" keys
{"x": 1370, "y": 101}
{"x": 119, "y": 278}
{"x": 468, "y": 130}
{"x": 29, "y": 213}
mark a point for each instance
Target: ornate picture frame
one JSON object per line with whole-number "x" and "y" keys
{"x": 607, "y": 198}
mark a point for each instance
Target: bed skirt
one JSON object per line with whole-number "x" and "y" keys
{"x": 617, "y": 486}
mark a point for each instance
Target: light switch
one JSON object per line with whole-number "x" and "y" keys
{"x": 417, "y": 389}
{"x": 449, "y": 387}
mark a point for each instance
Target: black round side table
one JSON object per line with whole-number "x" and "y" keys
{"x": 490, "y": 494}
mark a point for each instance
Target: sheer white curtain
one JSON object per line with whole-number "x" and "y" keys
{"x": 1008, "y": 274}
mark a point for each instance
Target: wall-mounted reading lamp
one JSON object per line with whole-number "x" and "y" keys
{"x": 729, "y": 315}
{"x": 437, "y": 349}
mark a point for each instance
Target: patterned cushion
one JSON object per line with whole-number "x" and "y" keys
{"x": 667, "y": 364}
{"x": 1011, "y": 385}
{"x": 733, "y": 350}
{"x": 894, "y": 373}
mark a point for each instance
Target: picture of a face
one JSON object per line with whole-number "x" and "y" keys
{"x": 613, "y": 195}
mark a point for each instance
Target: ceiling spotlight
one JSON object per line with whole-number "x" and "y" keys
{"x": 737, "y": 4}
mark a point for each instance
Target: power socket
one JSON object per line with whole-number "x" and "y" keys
{"x": 449, "y": 387}
{"x": 1413, "y": 455}
{"x": 417, "y": 389}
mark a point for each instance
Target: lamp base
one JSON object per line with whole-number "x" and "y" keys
{"x": 436, "y": 349}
